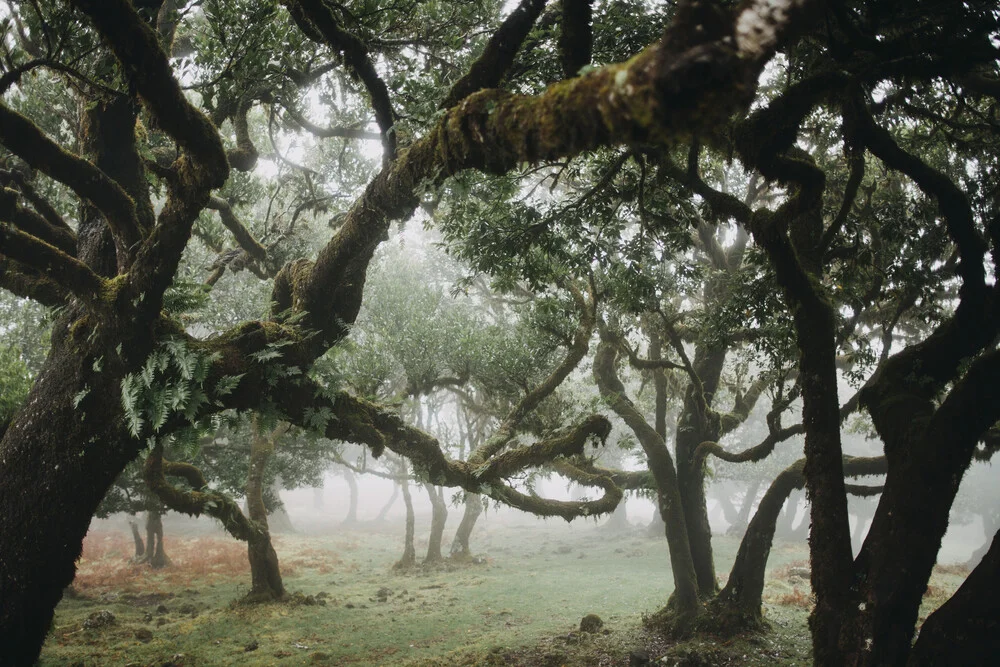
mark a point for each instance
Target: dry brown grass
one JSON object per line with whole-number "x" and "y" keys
{"x": 956, "y": 569}
{"x": 796, "y": 598}
{"x": 106, "y": 562}
{"x": 322, "y": 561}
{"x": 796, "y": 569}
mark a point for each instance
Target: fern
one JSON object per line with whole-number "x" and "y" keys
{"x": 170, "y": 382}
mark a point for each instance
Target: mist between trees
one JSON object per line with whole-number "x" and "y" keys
{"x": 663, "y": 241}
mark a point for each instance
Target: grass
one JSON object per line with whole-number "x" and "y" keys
{"x": 521, "y": 605}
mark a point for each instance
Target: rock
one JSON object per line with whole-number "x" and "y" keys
{"x": 147, "y": 618}
{"x": 591, "y": 623}
{"x": 100, "y": 619}
{"x": 638, "y": 658}
{"x": 144, "y": 635}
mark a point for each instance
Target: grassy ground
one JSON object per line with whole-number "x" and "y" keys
{"x": 521, "y": 605}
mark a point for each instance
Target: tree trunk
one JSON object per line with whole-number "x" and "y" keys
{"x": 140, "y": 548}
{"x": 656, "y": 527}
{"x": 618, "y": 521}
{"x": 798, "y": 271}
{"x": 68, "y": 443}
{"x": 738, "y": 605}
{"x": 439, "y": 515}
{"x": 965, "y": 630}
{"x": 683, "y": 605}
{"x": 265, "y": 574}
{"x": 156, "y": 555}
{"x": 352, "y": 508}
{"x": 43, "y": 458}
{"x": 388, "y": 505}
{"x": 473, "y": 509}
{"x": 409, "y": 558}
{"x": 747, "y": 507}
{"x": 278, "y": 520}
{"x": 693, "y": 428}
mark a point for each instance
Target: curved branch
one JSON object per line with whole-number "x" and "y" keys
{"x": 356, "y": 420}
{"x": 329, "y": 132}
{"x": 238, "y": 229}
{"x": 24, "y": 139}
{"x": 147, "y": 68}
{"x": 36, "y": 225}
{"x": 68, "y": 272}
{"x": 491, "y": 66}
{"x": 953, "y": 203}
{"x": 581, "y": 470}
{"x": 318, "y": 22}
{"x": 44, "y": 208}
{"x": 24, "y": 282}
{"x": 575, "y": 38}
{"x": 196, "y": 502}
{"x": 576, "y": 352}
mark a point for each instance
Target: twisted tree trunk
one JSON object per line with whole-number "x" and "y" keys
{"x": 409, "y": 557}
{"x": 460, "y": 549}
{"x": 439, "y": 515}
{"x": 265, "y": 574}
{"x": 156, "y": 556}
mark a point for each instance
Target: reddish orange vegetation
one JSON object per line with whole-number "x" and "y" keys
{"x": 106, "y": 562}
{"x": 796, "y": 598}
{"x": 957, "y": 569}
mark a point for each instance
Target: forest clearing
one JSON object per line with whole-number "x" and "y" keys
{"x": 520, "y": 604}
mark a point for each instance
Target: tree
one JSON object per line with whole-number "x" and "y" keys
{"x": 97, "y": 213}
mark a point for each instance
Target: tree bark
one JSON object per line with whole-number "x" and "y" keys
{"x": 738, "y": 605}
{"x": 618, "y": 521}
{"x": 694, "y": 428}
{"x": 439, "y": 515}
{"x": 388, "y": 504}
{"x": 140, "y": 548}
{"x": 965, "y": 630}
{"x": 352, "y": 508}
{"x": 265, "y": 573}
{"x": 45, "y": 460}
{"x": 156, "y": 555}
{"x": 460, "y": 549}
{"x": 684, "y": 600}
{"x": 409, "y": 557}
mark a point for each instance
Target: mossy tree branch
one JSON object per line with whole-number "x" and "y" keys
{"x": 353, "y": 419}
{"x": 68, "y": 272}
{"x": 243, "y": 237}
{"x": 575, "y": 36}
{"x": 489, "y": 69}
{"x": 24, "y": 139}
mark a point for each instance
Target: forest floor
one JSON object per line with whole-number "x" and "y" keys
{"x": 519, "y": 604}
